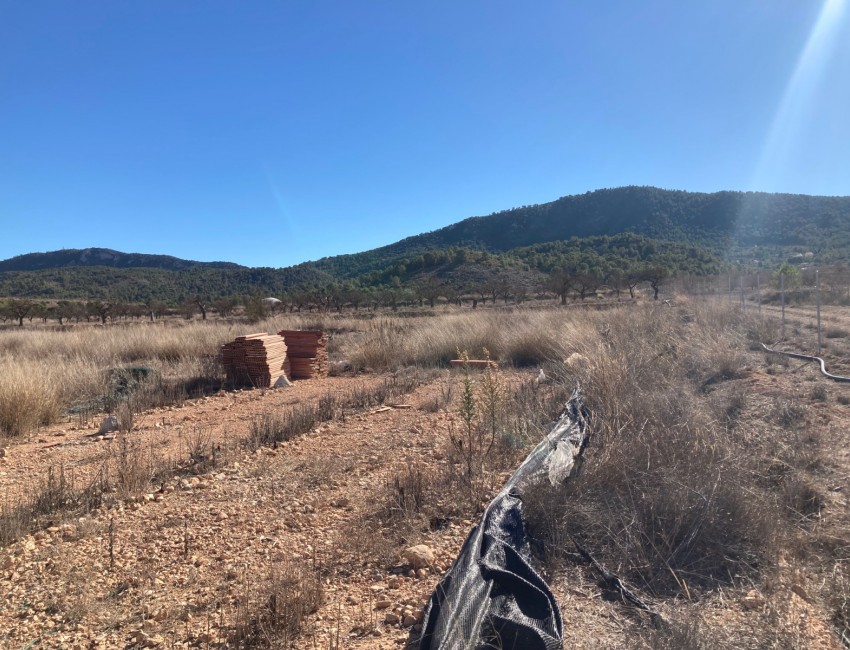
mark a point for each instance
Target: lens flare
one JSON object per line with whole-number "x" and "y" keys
{"x": 798, "y": 100}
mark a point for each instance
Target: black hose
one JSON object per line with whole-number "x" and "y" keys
{"x": 806, "y": 357}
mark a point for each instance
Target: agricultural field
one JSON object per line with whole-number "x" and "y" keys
{"x": 714, "y": 485}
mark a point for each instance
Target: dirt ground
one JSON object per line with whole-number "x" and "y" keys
{"x": 184, "y": 563}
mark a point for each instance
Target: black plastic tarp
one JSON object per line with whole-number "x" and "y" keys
{"x": 492, "y": 597}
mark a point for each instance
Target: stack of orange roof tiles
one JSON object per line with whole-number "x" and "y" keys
{"x": 258, "y": 360}
{"x": 307, "y": 352}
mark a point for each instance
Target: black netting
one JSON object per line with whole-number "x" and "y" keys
{"x": 492, "y": 597}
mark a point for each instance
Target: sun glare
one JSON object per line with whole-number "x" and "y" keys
{"x": 798, "y": 101}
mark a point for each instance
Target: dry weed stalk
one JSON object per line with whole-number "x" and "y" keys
{"x": 666, "y": 495}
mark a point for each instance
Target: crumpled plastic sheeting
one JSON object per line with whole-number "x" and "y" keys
{"x": 492, "y": 597}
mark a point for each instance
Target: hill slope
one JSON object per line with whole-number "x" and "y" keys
{"x": 71, "y": 257}
{"x": 605, "y": 231}
{"x": 717, "y": 221}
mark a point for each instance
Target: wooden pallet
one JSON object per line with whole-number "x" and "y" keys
{"x": 257, "y": 360}
{"x": 307, "y": 353}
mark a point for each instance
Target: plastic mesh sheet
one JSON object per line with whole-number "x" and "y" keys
{"x": 492, "y": 597}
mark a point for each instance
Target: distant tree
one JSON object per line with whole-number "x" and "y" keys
{"x": 337, "y": 297}
{"x": 585, "y": 284}
{"x": 202, "y": 305}
{"x": 299, "y": 300}
{"x": 634, "y": 276}
{"x": 99, "y": 309}
{"x": 655, "y": 275}
{"x": 560, "y": 283}
{"x": 354, "y": 296}
{"x": 450, "y": 293}
{"x": 793, "y": 277}
{"x": 39, "y": 310}
{"x": 19, "y": 310}
{"x": 255, "y": 309}
{"x": 224, "y": 307}
{"x": 430, "y": 289}
{"x": 616, "y": 281}
{"x": 156, "y": 309}
{"x": 504, "y": 287}
{"x": 187, "y": 309}
{"x": 520, "y": 293}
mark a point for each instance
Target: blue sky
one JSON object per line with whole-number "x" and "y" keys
{"x": 270, "y": 133}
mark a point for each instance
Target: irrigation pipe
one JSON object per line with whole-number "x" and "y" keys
{"x": 806, "y": 357}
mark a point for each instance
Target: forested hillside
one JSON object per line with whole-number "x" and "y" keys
{"x": 719, "y": 222}
{"x": 608, "y": 235}
{"x": 72, "y": 257}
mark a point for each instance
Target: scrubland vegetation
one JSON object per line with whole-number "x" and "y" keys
{"x": 695, "y": 481}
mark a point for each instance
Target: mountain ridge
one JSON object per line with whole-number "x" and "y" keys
{"x": 108, "y": 257}
{"x": 604, "y": 232}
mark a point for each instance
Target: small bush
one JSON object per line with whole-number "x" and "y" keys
{"x": 789, "y": 414}
{"x": 663, "y": 497}
{"x": 687, "y": 633}
{"x": 271, "y": 614}
{"x": 28, "y": 400}
{"x": 407, "y": 492}
{"x": 839, "y": 601}
{"x": 733, "y": 408}
{"x": 819, "y": 393}
{"x": 836, "y": 333}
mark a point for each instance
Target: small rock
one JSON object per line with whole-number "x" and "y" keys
{"x": 109, "y": 424}
{"x": 409, "y": 621}
{"x": 421, "y": 573}
{"x": 419, "y": 556}
{"x": 391, "y": 618}
{"x": 797, "y": 589}
{"x": 282, "y": 382}
{"x": 753, "y": 600}
{"x": 383, "y": 604}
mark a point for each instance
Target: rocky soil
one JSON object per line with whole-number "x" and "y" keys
{"x": 189, "y": 561}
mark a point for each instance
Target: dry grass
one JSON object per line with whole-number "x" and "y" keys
{"x": 271, "y": 613}
{"x": 27, "y": 399}
{"x": 518, "y": 337}
{"x": 666, "y": 496}
{"x": 495, "y": 426}
{"x": 45, "y": 373}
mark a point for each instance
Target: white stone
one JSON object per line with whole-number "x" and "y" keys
{"x": 419, "y": 556}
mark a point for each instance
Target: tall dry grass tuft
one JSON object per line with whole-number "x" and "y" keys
{"x": 518, "y": 338}
{"x": 43, "y": 373}
{"x": 271, "y": 613}
{"x": 666, "y": 495}
{"x": 29, "y": 398}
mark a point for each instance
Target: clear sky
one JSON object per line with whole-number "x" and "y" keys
{"x": 273, "y": 132}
